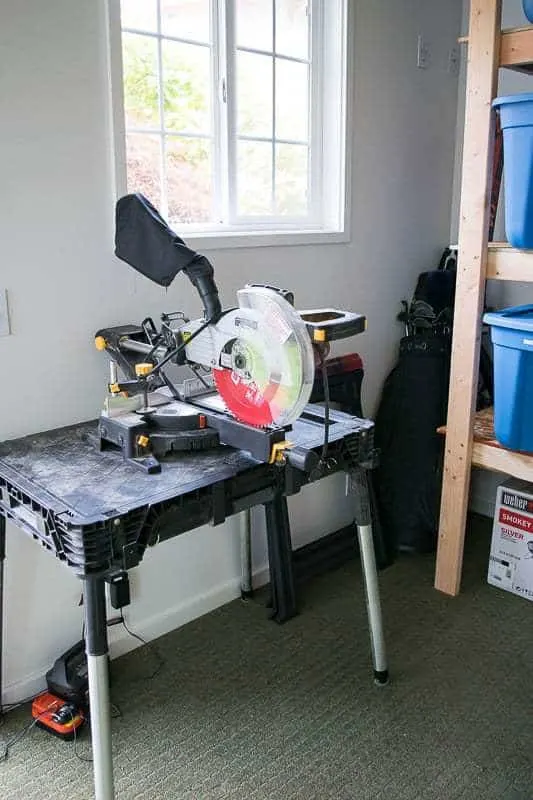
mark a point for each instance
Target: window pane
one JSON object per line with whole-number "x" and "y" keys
{"x": 141, "y": 88}
{"x": 141, "y": 14}
{"x": 254, "y": 24}
{"x": 186, "y": 19}
{"x": 291, "y": 100}
{"x": 186, "y": 87}
{"x": 188, "y": 179}
{"x": 254, "y": 94}
{"x": 291, "y": 179}
{"x": 254, "y": 178}
{"x": 143, "y": 157}
{"x": 292, "y": 28}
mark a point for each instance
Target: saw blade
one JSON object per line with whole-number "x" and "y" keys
{"x": 267, "y": 362}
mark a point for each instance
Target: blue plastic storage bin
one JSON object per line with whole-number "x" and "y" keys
{"x": 512, "y": 339}
{"x": 516, "y": 114}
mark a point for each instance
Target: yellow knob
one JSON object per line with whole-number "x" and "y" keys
{"x": 319, "y": 335}
{"x": 143, "y": 441}
{"x": 100, "y": 343}
{"x": 141, "y": 370}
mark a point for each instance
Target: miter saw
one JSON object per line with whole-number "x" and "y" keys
{"x": 250, "y": 369}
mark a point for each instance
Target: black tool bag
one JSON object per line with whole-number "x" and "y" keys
{"x": 408, "y": 479}
{"x": 413, "y": 405}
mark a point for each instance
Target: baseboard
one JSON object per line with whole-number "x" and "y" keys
{"x": 120, "y": 642}
{"x": 27, "y": 687}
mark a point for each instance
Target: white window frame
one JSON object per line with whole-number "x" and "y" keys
{"x": 331, "y": 182}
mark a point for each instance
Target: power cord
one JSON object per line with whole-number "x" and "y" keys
{"x": 6, "y": 746}
{"x": 160, "y": 662}
{"x": 116, "y": 711}
{"x": 325, "y": 385}
{"x": 323, "y": 463}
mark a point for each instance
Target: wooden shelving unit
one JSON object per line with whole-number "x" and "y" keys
{"x": 469, "y": 437}
{"x": 489, "y": 454}
{"x": 504, "y": 263}
{"x": 516, "y": 47}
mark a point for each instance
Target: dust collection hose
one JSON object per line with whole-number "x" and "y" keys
{"x": 145, "y": 241}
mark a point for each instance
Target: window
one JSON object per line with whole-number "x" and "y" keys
{"x": 234, "y": 113}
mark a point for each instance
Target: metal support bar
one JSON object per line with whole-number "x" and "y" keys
{"x": 246, "y": 553}
{"x": 280, "y": 559}
{"x": 99, "y": 702}
{"x": 2, "y": 560}
{"x": 363, "y": 517}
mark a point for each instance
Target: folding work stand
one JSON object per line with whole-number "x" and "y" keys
{"x": 345, "y": 377}
{"x": 98, "y": 515}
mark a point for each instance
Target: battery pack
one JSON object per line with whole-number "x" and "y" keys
{"x": 53, "y": 714}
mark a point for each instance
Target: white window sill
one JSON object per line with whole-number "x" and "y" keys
{"x": 230, "y": 240}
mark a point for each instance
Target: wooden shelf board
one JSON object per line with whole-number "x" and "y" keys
{"x": 507, "y": 264}
{"x": 516, "y": 49}
{"x": 488, "y": 454}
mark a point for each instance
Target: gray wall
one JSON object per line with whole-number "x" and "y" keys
{"x": 56, "y": 230}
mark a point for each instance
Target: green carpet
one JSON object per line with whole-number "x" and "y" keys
{"x": 245, "y": 709}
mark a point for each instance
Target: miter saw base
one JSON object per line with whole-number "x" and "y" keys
{"x": 146, "y": 437}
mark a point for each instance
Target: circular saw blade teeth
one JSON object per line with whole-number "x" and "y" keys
{"x": 244, "y": 400}
{"x": 267, "y": 361}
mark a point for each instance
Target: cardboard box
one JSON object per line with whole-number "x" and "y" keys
{"x": 511, "y": 552}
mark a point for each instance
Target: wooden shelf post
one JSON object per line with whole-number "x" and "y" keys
{"x": 483, "y": 61}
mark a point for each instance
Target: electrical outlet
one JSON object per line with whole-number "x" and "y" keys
{"x": 5, "y": 328}
{"x": 422, "y": 54}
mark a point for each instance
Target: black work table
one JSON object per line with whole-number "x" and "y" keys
{"x": 98, "y": 514}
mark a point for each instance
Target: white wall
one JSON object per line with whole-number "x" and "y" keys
{"x": 499, "y": 293}
{"x": 56, "y": 230}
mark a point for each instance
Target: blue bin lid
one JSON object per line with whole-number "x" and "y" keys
{"x": 524, "y": 97}
{"x": 519, "y": 318}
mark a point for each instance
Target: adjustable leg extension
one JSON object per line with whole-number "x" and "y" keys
{"x": 99, "y": 705}
{"x": 358, "y": 483}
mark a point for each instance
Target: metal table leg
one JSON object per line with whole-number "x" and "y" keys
{"x": 2, "y": 560}
{"x": 99, "y": 703}
{"x": 246, "y": 553}
{"x": 363, "y": 519}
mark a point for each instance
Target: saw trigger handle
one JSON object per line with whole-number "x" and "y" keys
{"x": 285, "y": 293}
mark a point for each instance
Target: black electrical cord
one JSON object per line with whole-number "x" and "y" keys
{"x": 173, "y": 353}
{"x": 6, "y": 746}
{"x": 325, "y": 384}
{"x": 151, "y": 647}
{"x": 156, "y": 369}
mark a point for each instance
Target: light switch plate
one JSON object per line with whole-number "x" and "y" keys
{"x": 5, "y": 328}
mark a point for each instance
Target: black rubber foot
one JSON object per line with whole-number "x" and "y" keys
{"x": 246, "y": 595}
{"x": 381, "y": 677}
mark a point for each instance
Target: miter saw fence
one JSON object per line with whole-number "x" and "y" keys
{"x": 250, "y": 370}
